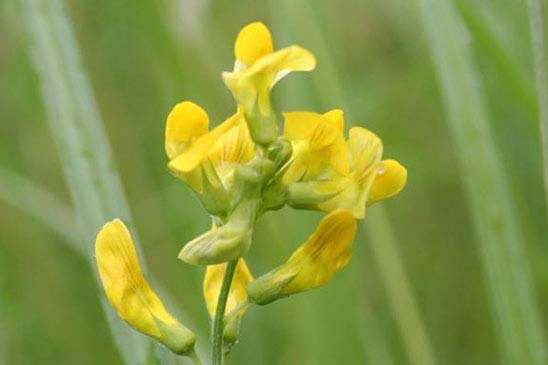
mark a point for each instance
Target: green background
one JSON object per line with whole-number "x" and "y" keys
{"x": 142, "y": 57}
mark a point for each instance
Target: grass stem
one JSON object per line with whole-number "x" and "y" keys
{"x": 84, "y": 150}
{"x": 500, "y": 240}
{"x": 398, "y": 286}
{"x": 536, "y": 26}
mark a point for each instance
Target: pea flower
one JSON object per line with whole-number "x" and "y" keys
{"x": 256, "y": 70}
{"x": 328, "y": 172}
{"x": 236, "y": 304}
{"x": 131, "y": 295}
{"x": 313, "y": 264}
{"x": 206, "y": 160}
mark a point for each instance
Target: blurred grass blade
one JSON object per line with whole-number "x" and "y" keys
{"x": 408, "y": 319}
{"x": 511, "y": 75}
{"x": 414, "y": 335}
{"x": 500, "y": 239}
{"x": 538, "y": 47}
{"x": 85, "y": 154}
{"x": 373, "y": 338}
{"x": 40, "y": 204}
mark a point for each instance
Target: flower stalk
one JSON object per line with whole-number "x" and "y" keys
{"x": 194, "y": 358}
{"x": 219, "y": 321}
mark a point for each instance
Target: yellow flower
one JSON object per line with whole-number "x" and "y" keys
{"x": 131, "y": 295}
{"x": 318, "y": 145}
{"x": 204, "y": 159}
{"x": 256, "y": 70}
{"x": 237, "y": 297}
{"x": 328, "y": 172}
{"x": 312, "y": 265}
{"x": 212, "y": 286}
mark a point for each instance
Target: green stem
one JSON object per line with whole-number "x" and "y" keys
{"x": 218, "y": 322}
{"x": 194, "y": 358}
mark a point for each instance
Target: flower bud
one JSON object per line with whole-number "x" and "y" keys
{"x": 224, "y": 243}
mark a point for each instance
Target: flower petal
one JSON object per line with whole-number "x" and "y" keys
{"x": 288, "y": 59}
{"x": 232, "y": 148}
{"x": 129, "y": 292}
{"x": 365, "y": 151}
{"x": 253, "y": 42}
{"x": 336, "y": 118}
{"x": 185, "y": 122}
{"x": 347, "y": 195}
{"x": 191, "y": 157}
{"x": 309, "y": 126}
{"x": 390, "y": 179}
{"x": 251, "y": 86}
{"x": 325, "y": 140}
{"x": 213, "y": 281}
{"x": 326, "y": 252}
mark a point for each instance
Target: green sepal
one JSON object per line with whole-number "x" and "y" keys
{"x": 279, "y": 152}
{"x": 176, "y": 337}
{"x": 231, "y": 333}
{"x": 214, "y": 197}
{"x": 263, "y": 128}
{"x": 274, "y": 196}
{"x": 269, "y": 287}
{"x": 305, "y": 195}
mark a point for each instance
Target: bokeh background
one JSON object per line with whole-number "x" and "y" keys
{"x": 374, "y": 61}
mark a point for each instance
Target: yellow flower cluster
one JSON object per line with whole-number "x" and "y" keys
{"x": 241, "y": 169}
